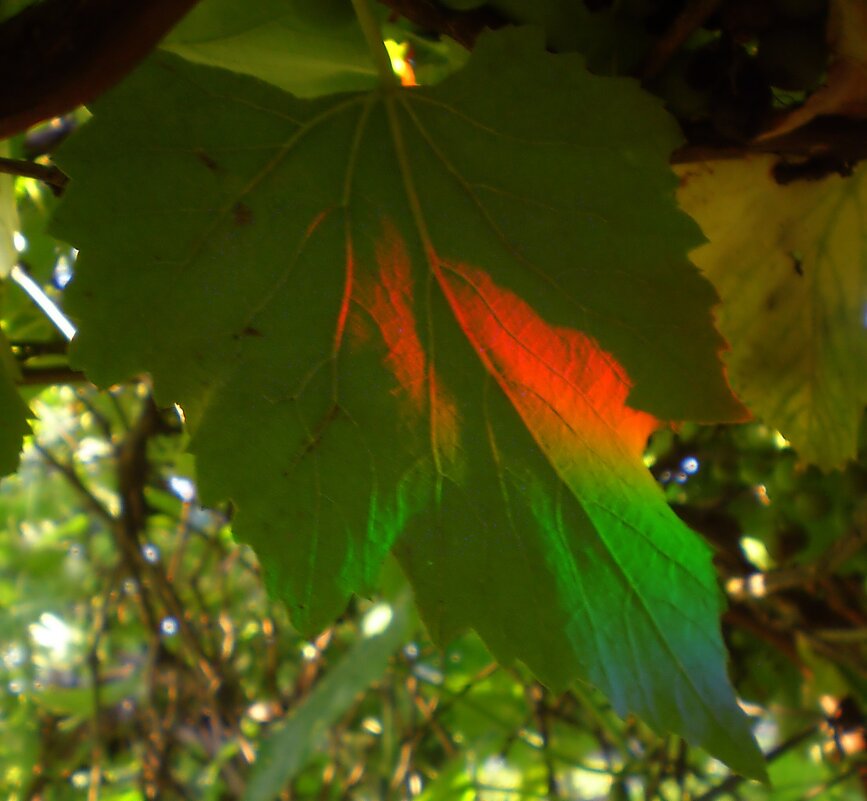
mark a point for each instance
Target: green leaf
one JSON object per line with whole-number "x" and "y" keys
{"x": 308, "y": 47}
{"x": 454, "y": 784}
{"x": 790, "y": 264}
{"x": 8, "y": 218}
{"x": 362, "y": 303}
{"x": 13, "y": 411}
{"x": 79, "y": 701}
{"x": 288, "y": 749}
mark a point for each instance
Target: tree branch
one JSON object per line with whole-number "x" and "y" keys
{"x": 462, "y": 26}
{"x": 730, "y": 783}
{"x": 64, "y": 53}
{"x": 45, "y": 376}
{"x": 27, "y": 349}
{"x": 840, "y": 141}
{"x": 47, "y": 173}
{"x": 693, "y": 16}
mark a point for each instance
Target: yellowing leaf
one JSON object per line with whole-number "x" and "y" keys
{"x": 790, "y": 264}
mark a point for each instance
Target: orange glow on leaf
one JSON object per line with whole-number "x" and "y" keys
{"x": 570, "y": 393}
{"x": 400, "y": 54}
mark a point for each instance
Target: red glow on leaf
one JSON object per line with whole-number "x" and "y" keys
{"x": 570, "y": 393}
{"x": 407, "y": 76}
{"x": 567, "y": 389}
{"x": 347, "y": 294}
{"x": 315, "y": 223}
{"x": 387, "y": 298}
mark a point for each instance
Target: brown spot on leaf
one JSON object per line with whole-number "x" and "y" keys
{"x": 248, "y": 331}
{"x": 242, "y": 214}
{"x": 207, "y": 160}
{"x": 319, "y": 432}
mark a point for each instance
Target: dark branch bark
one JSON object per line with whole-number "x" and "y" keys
{"x": 693, "y": 16}
{"x": 840, "y": 139}
{"x": 462, "y": 26}
{"x": 47, "y": 173}
{"x": 27, "y": 349}
{"x": 59, "y": 54}
{"x": 44, "y": 376}
{"x": 728, "y": 785}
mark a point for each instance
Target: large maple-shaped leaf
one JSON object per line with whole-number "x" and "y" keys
{"x": 790, "y": 263}
{"x": 389, "y": 318}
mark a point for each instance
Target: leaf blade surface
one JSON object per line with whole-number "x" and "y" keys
{"x": 353, "y": 281}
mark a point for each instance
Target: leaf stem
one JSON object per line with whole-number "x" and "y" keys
{"x": 373, "y": 37}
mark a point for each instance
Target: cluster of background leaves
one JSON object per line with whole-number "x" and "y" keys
{"x": 171, "y": 682}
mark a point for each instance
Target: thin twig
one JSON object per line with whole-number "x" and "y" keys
{"x": 841, "y": 635}
{"x": 72, "y": 477}
{"x": 818, "y": 792}
{"x": 49, "y": 376}
{"x": 733, "y": 780}
{"x": 26, "y": 349}
{"x": 99, "y": 419}
{"x": 132, "y": 478}
{"x": 84, "y": 48}
{"x": 97, "y": 749}
{"x": 760, "y": 585}
{"x": 843, "y": 138}
{"x": 693, "y": 16}
{"x": 47, "y": 173}
{"x": 462, "y": 26}
{"x": 541, "y": 712}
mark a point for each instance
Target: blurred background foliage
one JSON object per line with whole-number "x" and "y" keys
{"x": 140, "y": 657}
